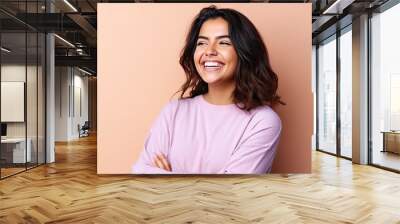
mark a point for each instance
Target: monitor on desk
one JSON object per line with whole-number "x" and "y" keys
{"x": 3, "y": 130}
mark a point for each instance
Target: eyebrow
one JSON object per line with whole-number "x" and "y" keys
{"x": 218, "y": 37}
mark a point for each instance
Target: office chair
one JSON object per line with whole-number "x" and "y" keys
{"x": 84, "y": 130}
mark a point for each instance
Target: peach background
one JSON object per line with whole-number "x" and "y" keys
{"x": 138, "y": 72}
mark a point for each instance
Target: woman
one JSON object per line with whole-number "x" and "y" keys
{"x": 226, "y": 124}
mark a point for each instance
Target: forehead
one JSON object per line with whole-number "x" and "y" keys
{"x": 214, "y": 27}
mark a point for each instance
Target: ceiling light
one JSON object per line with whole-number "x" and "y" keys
{"x": 70, "y": 5}
{"x": 65, "y": 41}
{"x": 338, "y": 6}
{"x": 84, "y": 71}
{"x": 5, "y": 50}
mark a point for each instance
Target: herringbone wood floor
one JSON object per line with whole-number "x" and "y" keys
{"x": 69, "y": 191}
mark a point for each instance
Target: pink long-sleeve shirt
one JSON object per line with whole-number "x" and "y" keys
{"x": 198, "y": 137}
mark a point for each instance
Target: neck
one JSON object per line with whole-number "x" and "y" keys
{"x": 220, "y": 94}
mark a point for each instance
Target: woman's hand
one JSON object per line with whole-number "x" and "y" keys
{"x": 161, "y": 162}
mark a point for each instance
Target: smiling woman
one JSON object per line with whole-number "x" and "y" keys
{"x": 226, "y": 124}
{"x": 216, "y": 60}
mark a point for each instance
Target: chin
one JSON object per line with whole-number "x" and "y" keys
{"x": 210, "y": 78}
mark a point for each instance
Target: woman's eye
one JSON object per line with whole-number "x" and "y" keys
{"x": 200, "y": 43}
{"x": 226, "y": 43}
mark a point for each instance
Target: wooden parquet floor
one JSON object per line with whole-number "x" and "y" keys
{"x": 70, "y": 191}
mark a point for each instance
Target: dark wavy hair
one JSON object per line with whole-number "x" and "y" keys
{"x": 255, "y": 81}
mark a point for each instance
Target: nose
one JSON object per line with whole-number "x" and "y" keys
{"x": 211, "y": 50}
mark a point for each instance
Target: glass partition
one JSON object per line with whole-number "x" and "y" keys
{"x": 22, "y": 77}
{"x": 13, "y": 95}
{"x": 35, "y": 61}
{"x": 32, "y": 95}
{"x": 327, "y": 96}
{"x": 41, "y": 85}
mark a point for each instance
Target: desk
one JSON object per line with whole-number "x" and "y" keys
{"x": 391, "y": 141}
{"x": 15, "y": 148}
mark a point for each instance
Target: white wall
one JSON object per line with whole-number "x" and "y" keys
{"x": 12, "y": 73}
{"x": 9, "y": 73}
{"x": 62, "y": 81}
{"x": 81, "y": 103}
{"x": 71, "y": 94}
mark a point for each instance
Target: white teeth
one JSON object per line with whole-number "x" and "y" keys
{"x": 211, "y": 64}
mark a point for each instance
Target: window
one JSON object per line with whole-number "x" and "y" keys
{"x": 346, "y": 92}
{"x": 327, "y": 96}
{"x": 385, "y": 88}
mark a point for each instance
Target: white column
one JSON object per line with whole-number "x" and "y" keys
{"x": 50, "y": 92}
{"x": 360, "y": 90}
{"x": 50, "y": 100}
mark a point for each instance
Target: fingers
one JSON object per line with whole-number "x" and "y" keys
{"x": 161, "y": 162}
{"x": 165, "y": 162}
{"x": 158, "y": 163}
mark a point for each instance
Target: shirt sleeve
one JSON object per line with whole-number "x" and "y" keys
{"x": 157, "y": 142}
{"x": 256, "y": 152}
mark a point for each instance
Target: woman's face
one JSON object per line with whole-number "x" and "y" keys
{"x": 215, "y": 57}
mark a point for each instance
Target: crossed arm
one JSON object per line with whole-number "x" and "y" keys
{"x": 253, "y": 156}
{"x": 158, "y": 164}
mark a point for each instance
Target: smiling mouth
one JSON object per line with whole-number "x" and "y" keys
{"x": 212, "y": 66}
